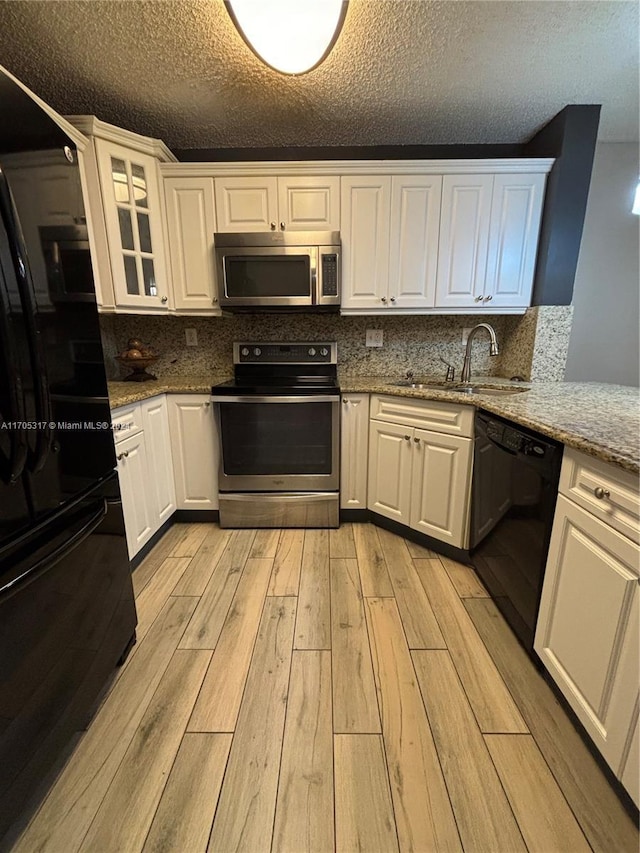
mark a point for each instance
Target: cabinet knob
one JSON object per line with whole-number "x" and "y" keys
{"x": 393, "y": 299}
{"x": 478, "y": 299}
{"x": 207, "y": 404}
{"x": 488, "y": 298}
{"x": 215, "y": 300}
{"x": 164, "y": 299}
{"x": 417, "y": 440}
{"x": 383, "y": 299}
{"x": 601, "y": 493}
{"x": 345, "y": 402}
{"x": 407, "y": 438}
{"x": 273, "y": 226}
{"x": 282, "y": 226}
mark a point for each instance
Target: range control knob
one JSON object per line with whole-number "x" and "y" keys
{"x": 324, "y": 351}
{"x": 312, "y": 351}
{"x": 257, "y": 351}
{"x": 245, "y": 351}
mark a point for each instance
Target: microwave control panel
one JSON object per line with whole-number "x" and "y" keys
{"x": 330, "y": 275}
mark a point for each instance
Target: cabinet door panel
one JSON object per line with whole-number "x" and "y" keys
{"x": 516, "y": 210}
{"x": 194, "y": 447}
{"x": 247, "y": 204}
{"x": 191, "y": 221}
{"x": 440, "y": 486}
{"x": 630, "y": 776}
{"x": 133, "y": 218}
{"x": 309, "y": 203}
{"x": 365, "y": 241}
{"x": 415, "y": 226}
{"x": 161, "y": 491}
{"x": 132, "y": 473}
{"x": 354, "y": 451}
{"x": 464, "y": 237}
{"x": 588, "y": 622}
{"x": 389, "y": 491}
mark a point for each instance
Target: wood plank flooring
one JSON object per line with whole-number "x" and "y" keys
{"x": 323, "y": 691}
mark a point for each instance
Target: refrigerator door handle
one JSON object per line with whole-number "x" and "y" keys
{"x": 30, "y": 308}
{"x": 42, "y": 566}
{"x": 11, "y": 468}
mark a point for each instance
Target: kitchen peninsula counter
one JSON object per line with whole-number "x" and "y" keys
{"x": 598, "y": 419}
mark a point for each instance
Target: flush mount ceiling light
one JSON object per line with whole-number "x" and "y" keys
{"x": 291, "y": 36}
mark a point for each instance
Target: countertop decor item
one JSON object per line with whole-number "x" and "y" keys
{"x": 138, "y": 357}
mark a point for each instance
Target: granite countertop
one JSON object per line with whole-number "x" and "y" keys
{"x": 600, "y": 420}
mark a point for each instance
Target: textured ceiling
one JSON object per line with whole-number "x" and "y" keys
{"x": 402, "y": 72}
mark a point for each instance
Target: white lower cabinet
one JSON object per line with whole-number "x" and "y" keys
{"x": 588, "y": 628}
{"x": 195, "y": 451}
{"x": 421, "y": 477}
{"x": 131, "y": 454}
{"x": 354, "y": 451}
{"x": 162, "y": 491}
{"x": 143, "y": 453}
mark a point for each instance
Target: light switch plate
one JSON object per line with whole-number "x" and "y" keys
{"x": 192, "y": 337}
{"x": 375, "y": 337}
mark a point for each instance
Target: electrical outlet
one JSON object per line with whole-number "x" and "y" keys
{"x": 375, "y": 337}
{"x": 192, "y": 337}
{"x": 465, "y": 335}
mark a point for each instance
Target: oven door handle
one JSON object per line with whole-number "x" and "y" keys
{"x": 312, "y": 398}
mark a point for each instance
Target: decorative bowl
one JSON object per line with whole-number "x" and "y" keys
{"x": 139, "y": 367}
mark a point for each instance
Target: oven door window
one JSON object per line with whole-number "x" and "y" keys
{"x": 276, "y": 438}
{"x": 267, "y": 276}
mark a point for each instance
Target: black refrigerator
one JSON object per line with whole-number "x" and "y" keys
{"x": 67, "y": 613}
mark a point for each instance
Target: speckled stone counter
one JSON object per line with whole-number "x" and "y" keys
{"x": 600, "y": 420}
{"x": 125, "y": 393}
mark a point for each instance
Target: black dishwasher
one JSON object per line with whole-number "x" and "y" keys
{"x": 515, "y": 486}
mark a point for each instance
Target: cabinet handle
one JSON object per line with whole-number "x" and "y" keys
{"x": 215, "y": 300}
{"x": 393, "y": 299}
{"x": 207, "y": 404}
{"x": 383, "y": 299}
{"x": 273, "y": 226}
{"x": 122, "y": 455}
{"x": 417, "y": 440}
{"x": 478, "y": 299}
{"x": 407, "y": 438}
{"x": 601, "y": 493}
{"x": 345, "y": 402}
{"x": 164, "y": 299}
{"x": 488, "y": 298}
{"x": 282, "y": 226}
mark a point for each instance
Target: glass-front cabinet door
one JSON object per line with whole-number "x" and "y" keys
{"x": 133, "y": 219}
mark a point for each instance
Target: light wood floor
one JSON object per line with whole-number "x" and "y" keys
{"x": 324, "y": 690}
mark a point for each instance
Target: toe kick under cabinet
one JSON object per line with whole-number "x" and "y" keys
{"x": 420, "y": 457}
{"x": 587, "y": 634}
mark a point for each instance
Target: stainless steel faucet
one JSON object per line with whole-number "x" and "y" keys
{"x": 493, "y": 349}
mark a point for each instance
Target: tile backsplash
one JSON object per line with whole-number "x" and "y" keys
{"x": 410, "y": 342}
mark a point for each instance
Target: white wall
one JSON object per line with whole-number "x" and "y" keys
{"x": 604, "y": 337}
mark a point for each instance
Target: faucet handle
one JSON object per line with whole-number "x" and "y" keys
{"x": 451, "y": 371}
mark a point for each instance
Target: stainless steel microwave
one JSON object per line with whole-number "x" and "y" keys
{"x": 279, "y": 270}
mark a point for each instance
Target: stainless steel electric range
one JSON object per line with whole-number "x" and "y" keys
{"x": 279, "y": 427}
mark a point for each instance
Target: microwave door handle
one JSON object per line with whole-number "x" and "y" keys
{"x": 30, "y": 308}
{"x": 11, "y": 467}
{"x": 313, "y": 260}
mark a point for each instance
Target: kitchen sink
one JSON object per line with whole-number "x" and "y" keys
{"x": 459, "y": 389}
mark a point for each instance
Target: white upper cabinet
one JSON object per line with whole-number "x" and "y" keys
{"x": 309, "y": 203}
{"x": 516, "y": 211}
{"x": 272, "y": 203}
{"x": 489, "y": 232}
{"x": 414, "y": 229}
{"x": 464, "y": 238}
{"x": 191, "y": 222}
{"x": 133, "y": 218}
{"x": 365, "y": 208}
